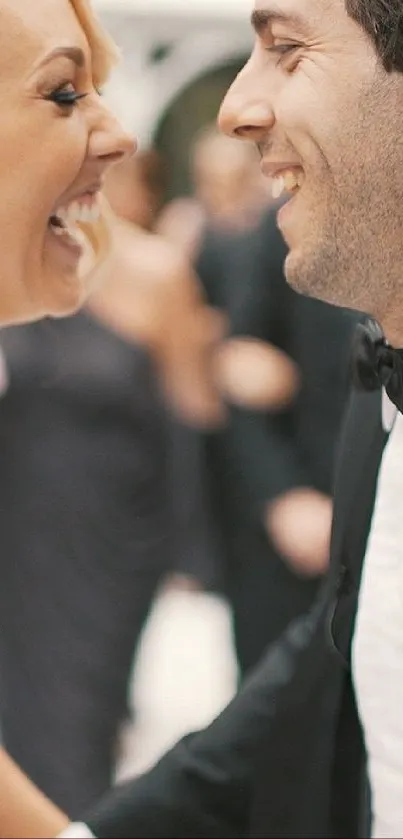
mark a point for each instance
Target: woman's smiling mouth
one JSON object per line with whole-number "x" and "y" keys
{"x": 63, "y": 223}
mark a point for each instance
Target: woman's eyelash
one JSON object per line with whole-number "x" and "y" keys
{"x": 66, "y": 97}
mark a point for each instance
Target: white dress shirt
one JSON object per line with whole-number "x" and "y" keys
{"x": 76, "y": 831}
{"x": 378, "y": 644}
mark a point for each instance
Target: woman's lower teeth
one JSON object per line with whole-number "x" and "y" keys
{"x": 68, "y": 233}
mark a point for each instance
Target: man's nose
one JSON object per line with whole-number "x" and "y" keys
{"x": 245, "y": 114}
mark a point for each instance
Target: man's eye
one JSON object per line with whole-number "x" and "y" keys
{"x": 282, "y": 49}
{"x": 287, "y": 53}
{"x": 65, "y": 96}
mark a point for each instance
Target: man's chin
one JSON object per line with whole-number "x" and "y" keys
{"x": 303, "y": 278}
{"x": 293, "y": 272}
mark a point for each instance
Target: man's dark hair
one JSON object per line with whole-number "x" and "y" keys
{"x": 383, "y": 20}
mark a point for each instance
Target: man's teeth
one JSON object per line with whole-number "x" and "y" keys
{"x": 77, "y": 212}
{"x": 286, "y": 182}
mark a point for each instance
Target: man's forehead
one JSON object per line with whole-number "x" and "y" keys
{"x": 306, "y": 13}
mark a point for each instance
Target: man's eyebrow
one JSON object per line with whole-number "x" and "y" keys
{"x": 261, "y": 19}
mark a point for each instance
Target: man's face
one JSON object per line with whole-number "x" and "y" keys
{"x": 328, "y": 119}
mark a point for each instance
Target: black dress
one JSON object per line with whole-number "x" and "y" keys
{"x": 87, "y": 532}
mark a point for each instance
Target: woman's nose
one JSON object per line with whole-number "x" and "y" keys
{"x": 110, "y": 142}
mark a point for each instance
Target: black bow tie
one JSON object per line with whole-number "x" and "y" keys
{"x": 376, "y": 364}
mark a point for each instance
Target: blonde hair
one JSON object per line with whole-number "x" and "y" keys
{"x": 104, "y": 55}
{"x": 104, "y": 51}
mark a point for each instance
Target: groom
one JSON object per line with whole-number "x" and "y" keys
{"x": 322, "y": 99}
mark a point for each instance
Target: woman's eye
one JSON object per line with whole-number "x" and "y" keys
{"x": 65, "y": 96}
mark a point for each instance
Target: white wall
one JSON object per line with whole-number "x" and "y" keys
{"x": 212, "y": 9}
{"x": 199, "y": 40}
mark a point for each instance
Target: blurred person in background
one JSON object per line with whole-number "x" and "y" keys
{"x": 229, "y": 191}
{"x": 270, "y": 469}
{"x": 136, "y": 191}
{"x": 90, "y": 493}
{"x": 272, "y": 481}
{"x": 267, "y": 474}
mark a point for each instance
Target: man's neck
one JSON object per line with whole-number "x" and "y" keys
{"x": 393, "y": 328}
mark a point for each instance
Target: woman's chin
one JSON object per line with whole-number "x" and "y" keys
{"x": 61, "y": 292}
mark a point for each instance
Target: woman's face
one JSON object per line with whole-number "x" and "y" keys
{"x": 56, "y": 141}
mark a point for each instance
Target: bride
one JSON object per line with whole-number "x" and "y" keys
{"x": 57, "y": 140}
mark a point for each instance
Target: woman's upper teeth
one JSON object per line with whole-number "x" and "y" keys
{"x": 79, "y": 212}
{"x": 286, "y": 181}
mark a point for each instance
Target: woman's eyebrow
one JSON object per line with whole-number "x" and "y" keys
{"x": 74, "y": 54}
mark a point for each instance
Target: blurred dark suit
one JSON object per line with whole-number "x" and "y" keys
{"x": 259, "y": 456}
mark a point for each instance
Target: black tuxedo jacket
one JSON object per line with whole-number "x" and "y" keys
{"x": 286, "y": 758}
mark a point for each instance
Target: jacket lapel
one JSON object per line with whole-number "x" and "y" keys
{"x": 362, "y": 444}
